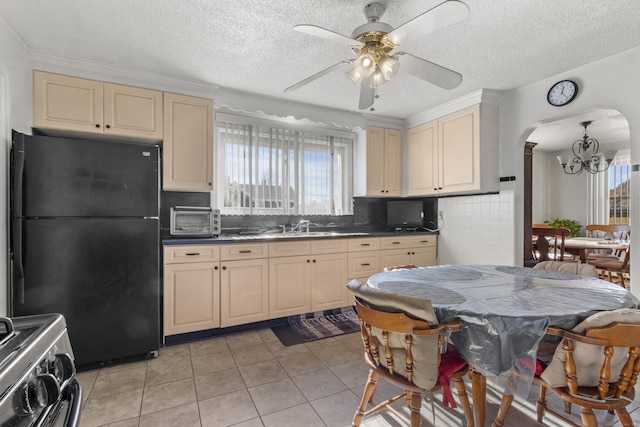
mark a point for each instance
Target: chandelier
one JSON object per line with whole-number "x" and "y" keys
{"x": 586, "y": 156}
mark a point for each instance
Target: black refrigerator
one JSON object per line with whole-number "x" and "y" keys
{"x": 85, "y": 242}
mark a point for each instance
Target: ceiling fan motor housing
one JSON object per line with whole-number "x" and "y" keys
{"x": 373, "y": 12}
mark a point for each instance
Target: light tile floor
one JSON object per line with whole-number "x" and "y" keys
{"x": 249, "y": 379}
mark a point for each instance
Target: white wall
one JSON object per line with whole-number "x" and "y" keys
{"x": 14, "y": 106}
{"x": 608, "y": 83}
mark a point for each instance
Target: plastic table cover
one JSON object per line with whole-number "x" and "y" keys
{"x": 505, "y": 310}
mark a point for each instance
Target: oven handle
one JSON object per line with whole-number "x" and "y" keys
{"x": 73, "y": 393}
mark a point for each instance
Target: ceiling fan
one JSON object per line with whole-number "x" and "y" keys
{"x": 374, "y": 43}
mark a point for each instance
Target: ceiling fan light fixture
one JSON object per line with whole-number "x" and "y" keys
{"x": 377, "y": 79}
{"x": 388, "y": 66}
{"x": 355, "y": 75}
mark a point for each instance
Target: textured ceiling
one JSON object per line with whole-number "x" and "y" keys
{"x": 252, "y": 46}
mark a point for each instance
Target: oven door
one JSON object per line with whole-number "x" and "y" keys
{"x": 65, "y": 412}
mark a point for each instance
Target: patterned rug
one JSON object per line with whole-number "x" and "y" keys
{"x": 318, "y": 325}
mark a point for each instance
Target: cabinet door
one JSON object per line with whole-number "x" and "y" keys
{"x": 289, "y": 291}
{"x": 460, "y": 151}
{"x": 329, "y": 281}
{"x": 191, "y": 297}
{"x": 423, "y": 257}
{"x": 69, "y": 103}
{"x": 131, "y": 111}
{"x": 392, "y": 162}
{"x": 188, "y": 143}
{"x": 244, "y": 291}
{"x": 423, "y": 159}
{"x": 394, "y": 257}
{"x": 375, "y": 162}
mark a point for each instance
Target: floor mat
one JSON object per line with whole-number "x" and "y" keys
{"x": 315, "y": 326}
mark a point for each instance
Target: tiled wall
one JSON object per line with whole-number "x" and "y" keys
{"x": 477, "y": 229}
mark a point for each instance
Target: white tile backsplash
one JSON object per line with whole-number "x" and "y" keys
{"x": 477, "y": 229}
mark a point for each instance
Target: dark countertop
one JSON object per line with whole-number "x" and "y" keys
{"x": 278, "y": 236}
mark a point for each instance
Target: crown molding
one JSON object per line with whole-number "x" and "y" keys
{"x": 96, "y": 70}
{"x": 481, "y": 96}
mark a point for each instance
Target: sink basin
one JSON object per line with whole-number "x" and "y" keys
{"x": 297, "y": 234}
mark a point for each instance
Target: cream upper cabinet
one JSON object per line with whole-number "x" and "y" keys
{"x": 88, "y": 106}
{"x": 384, "y": 162}
{"x": 455, "y": 154}
{"x": 422, "y": 149}
{"x": 188, "y": 143}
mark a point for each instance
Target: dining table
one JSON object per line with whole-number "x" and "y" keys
{"x": 505, "y": 312}
{"x": 582, "y": 246}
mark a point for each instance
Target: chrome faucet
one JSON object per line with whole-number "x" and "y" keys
{"x": 303, "y": 223}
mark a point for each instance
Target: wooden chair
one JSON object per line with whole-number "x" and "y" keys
{"x": 607, "y": 232}
{"x": 548, "y": 243}
{"x": 595, "y": 367}
{"x": 614, "y": 269}
{"x": 401, "y": 350}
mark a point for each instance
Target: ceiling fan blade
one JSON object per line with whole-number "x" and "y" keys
{"x": 323, "y": 33}
{"x": 317, "y": 75}
{"x": 444, "y": 14}
{"x": 428, "y": 71}
{"x": 367, "y": 94}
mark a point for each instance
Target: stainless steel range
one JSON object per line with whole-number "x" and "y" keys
{"x": 38, "y": 382}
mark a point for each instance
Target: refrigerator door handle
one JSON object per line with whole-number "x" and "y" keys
{"x": 17, "y": 156}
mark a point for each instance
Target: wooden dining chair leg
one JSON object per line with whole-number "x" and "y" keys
{"x": 588, "y": 417}
{"x": 505, "y": 404}
{"x": 415, "y": 405}
{"x": 624, "y": 417}
{"x": 369, "y": 390}
{"x": 542, "y": 403}
{"x": 464, "y": 400}
{"x": 567, "y": 407}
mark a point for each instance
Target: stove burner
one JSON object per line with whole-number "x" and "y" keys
{"x": 37, "y": 373}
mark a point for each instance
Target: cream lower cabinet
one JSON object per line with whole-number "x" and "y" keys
{"x": 244, "y": 283}
{"x": 80, "y": 105}
{"x": 191, "y": 289}
{"x": 417, "y": 250}
{"x": 363, "y": 258}
{"x": 314, "y": 280}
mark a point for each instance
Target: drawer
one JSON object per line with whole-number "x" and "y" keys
{"x": 399, "y": 242}
{"x": 192, "y": 253}
{"x": 235, "y": 251}
{"x": 363, "y": 264}
{"x": 329, "y": 246}
{"x": 364, "y": 244}
{"x": 290, "y": 248}
{"x": 423, "y": 241}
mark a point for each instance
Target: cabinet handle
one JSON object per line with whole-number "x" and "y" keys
{"x": 413, "y": 253}
{"x": 365, "y": 265}
{"x": 224, "y": 267}
{"x": 314, "y": 260}
{"x": 308, "y": 260}
{"x": 192, "y": 253}
{"x": 365, "y": 244}
{"x": 424, "y": 241}
{"x": 215, "y": 268}
{"x": 108, "y": 126}
{"x": 97, "y": 125}
{"x": 395, "y": 243}
{"x": 408, "y": 253}
{"x": 246, "y": 251}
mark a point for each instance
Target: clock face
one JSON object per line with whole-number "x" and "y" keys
{"x": 562, "y": 93}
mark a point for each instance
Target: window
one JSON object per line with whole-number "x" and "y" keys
{"x": 619, "y": 186}
{"x": 269, "y": 168}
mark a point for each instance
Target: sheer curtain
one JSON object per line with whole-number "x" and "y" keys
{"x": 272, "y": 169}
{"x": 600, "y": 186}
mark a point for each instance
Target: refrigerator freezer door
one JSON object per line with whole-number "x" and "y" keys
{"x": 103, "y": 276}
{"x": 65, "y": 177}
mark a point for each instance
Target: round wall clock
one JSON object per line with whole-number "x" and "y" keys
{"x": 562, "y": 93}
